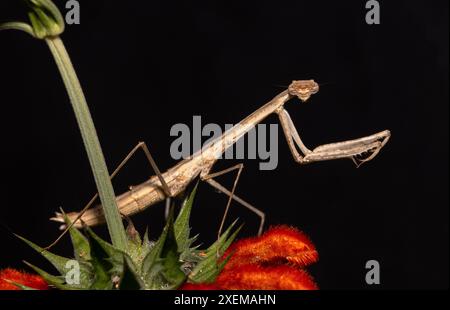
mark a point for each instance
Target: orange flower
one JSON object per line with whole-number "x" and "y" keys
{"x": 26, "y": 279}
{"x": 270, "y": 262}
{"x": 279, "y": 245}
{"x": 255, "y": 277}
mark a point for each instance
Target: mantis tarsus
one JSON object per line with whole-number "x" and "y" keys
{"x": 172, "y": 182}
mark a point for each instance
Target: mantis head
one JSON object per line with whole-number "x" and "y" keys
{"x": 303, "y": 89}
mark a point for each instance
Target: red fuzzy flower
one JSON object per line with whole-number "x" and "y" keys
{"x": 26, "y": 279}
{"x": 279, "y": 245}
{"x": 273, "y": 261}
{"x": 255, "y": 277}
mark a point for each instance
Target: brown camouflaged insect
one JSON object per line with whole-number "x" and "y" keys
{"x": 163, "y": 186}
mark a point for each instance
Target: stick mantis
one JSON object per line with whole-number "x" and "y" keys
{"x": 162, "y": 186}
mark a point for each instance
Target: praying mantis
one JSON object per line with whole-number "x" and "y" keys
{"x": 163, "y": 186}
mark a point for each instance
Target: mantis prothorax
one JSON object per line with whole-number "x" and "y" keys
{"x": 172, "y": 182}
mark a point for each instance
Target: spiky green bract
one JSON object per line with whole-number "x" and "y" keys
{"x": 166, "y": 263}
{"x": 210, "y": 266}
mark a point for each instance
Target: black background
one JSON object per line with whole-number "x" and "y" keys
{"x": 146, "y": 65}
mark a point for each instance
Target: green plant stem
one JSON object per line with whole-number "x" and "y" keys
{"x": 91, "y": 142}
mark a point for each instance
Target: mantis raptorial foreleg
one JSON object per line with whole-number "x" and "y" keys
{"x": 295, "y": 134}
{"x": 290, "y": 132}
{"x": 353, "y": 149}
{"x": 140, "y": 146}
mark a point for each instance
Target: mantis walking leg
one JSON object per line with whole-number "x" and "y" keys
{"x": 222, "y": 189}
{"x": 144, "y": 148}
{"x": 209, "y": 179}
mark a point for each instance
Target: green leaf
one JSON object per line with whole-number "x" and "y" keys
{"x": 224, "y": 242}
{"x": 162, "y": 266}
{"x": 170, "y": 258}
{"x": 191, "y": 254}
{"x": 135, "y": 246}
{"x": 102, "y": 265}
{"x": 154, "y": 254}
{"x": 130, "y": 280}
{"x": 181, "y": 226}
{"x": 60, "y": 264}
{"x": 212, "y": 268}
{"x": 146, "y": 239}
{"x": 209, "y": 268}
{"x": 132, "y": 234}
{"x": 112, "y": 252}
{"x": 154, "y": 279}
{"x": 17, "y": 26}
{"x": 57, "y": 282}
{"x": 57, "y": 261}
{"x": 21, "y": 286}
{"x": 79, "y": 242}
{"x": 147, "y": 245}
{"x": 91, "y": 143}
